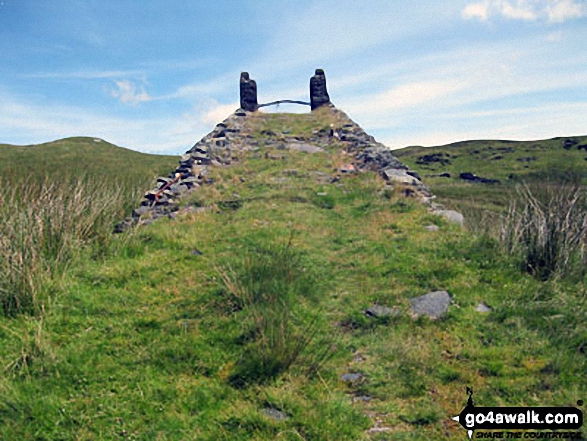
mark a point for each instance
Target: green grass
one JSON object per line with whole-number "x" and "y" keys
{"x": 143, "y": 341}
{"x": 81, "y": 156}
{"x": 510, "y": 162}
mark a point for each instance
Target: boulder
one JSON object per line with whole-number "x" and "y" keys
{"x": 451, "y": 216}
{"x": 399, "y": 176}
{"x": 382, "y": 311}
{"x": 433, "y": 305}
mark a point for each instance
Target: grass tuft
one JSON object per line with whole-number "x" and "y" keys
{"x": 270, "y": 289}
{"x": 548, "y": 231}
{"x": 44, "y": 226}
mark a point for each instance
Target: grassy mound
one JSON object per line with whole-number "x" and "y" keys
{"x": 240, "y": 319}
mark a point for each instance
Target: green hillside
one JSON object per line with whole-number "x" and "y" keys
{"x": 81, "y": 156}
{"x": 510, "y": 162}
{"x": 247, "y": 315}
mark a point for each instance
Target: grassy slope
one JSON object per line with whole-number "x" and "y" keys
{"x": 140, "y": 345}
{"x": 510, "y": 162}
{"x": 81, "y": 156}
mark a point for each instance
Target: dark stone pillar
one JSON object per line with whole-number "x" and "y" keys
{"x": 248, "y": 90}
{"x": 318, "y": 93}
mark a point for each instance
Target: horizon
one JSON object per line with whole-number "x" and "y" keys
{"x": 156, "y": 78}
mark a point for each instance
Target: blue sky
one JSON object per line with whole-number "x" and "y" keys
{"x": 155, "y": 76}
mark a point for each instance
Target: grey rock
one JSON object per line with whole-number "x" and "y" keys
{"x": 451, "y": 216}
{"x": 434, "y": 304}
{"x": 431, "y": 228}
{"x": 382, "y": 311}
{"x": 467, "y": 176}
{"x": 304, "y": 147}
{"x": 275, "y": 414}
{"x": 378, "y": 158}
{"x": 399, "y": 176}
{"x": 351, "y": 377}
{"x": 483, "y": 308}
{"x": 363, "y": 398}
{"x": 140, "y": 211}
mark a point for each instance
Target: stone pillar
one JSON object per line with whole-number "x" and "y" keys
{"x": 318, "y": 93}
{"x": 248, "y": 89}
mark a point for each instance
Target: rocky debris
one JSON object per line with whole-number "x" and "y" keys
{"x": 275, "y": 414}
{"x": 431, "y": 228}
{"x": 358, "y": 358}
{"x": 483, "y": 308}
{"x": 352, "y": 378}
{"x": 303, "y": 147}
{"x": 378, "y": 311}
{"x": 215, "y": 149}
{"x": 451, "y": 216}
{"x": 399, "y": 176}
{"x": 467, "y": 176}
{"x": 318, "y": 92}
{"x": 347, "y": 168}
{"x": 221, "y": 145}
{"x": 362, "y": 398}
{"x": 435, "y": 158}
{"x": 433, "y": 305}
{"x": 568, "y": 144}
{"x": 248, "y": 93}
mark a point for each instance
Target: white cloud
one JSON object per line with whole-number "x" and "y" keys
{"x": 528, "y": 10}
{"x": 403, "y": 96}
{"x": 32, "y": 122}
{"x": 476, "y": 10}
{"x": 128, "y": 92}
{"x": 218, "y": 113}
{"x": 561, "y": 10}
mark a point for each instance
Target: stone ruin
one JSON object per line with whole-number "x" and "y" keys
{"x": 248, "y": 91}
{"x": 218, "y": 149}
{"x": 318, "y": 93}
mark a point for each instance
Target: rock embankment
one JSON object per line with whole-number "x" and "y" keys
{"x": 234, "y": 134}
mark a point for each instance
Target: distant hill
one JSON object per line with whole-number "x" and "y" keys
{"x": 509, "y": 162}
{"x": 81, "y": 156}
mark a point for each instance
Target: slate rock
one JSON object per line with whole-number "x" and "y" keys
{"x": 275, "y": 414}
{"x": 381, "y": 311}
{"x": 303, "y": 147}
{"x": 451, "y": 216}
{"x": 483, "y": 308}
{"x": 434, "y": 304}
{"x": 351, "y": 378}
{"x": 400, "y": 176}
{"x": 468, "y": 176}
{"x": 569, "y": 143}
